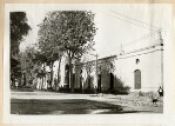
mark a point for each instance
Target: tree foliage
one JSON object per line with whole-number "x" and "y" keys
{"x": 31, "y": 62}
{"x": 18, "y": 29}
{"x": 72, "y": 31}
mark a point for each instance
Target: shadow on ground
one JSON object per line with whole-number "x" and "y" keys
{"x": 69, "y": 106}
{"x": 23, "y": 89}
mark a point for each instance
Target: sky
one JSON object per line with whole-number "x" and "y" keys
{"x": 119, "y": 26}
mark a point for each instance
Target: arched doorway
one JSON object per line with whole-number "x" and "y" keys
{"x": 89, "y": 82}
{"x": 73, "y": 79}
{"x": 99, "y": 82}
{"x": 111, "y": 75}
{"x": 67, "y": 75}
{"x": 81, "y": 79}
{"x": 137, "y": 79}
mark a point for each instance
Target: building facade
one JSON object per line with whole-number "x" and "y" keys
{"x": 138, "y": 68}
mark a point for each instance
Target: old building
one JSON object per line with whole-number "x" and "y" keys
{"x": 138, "y": 68}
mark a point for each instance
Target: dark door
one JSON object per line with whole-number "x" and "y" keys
{"x": 73, "y": 79}
{"x": 111, "y": 81}
{"x": 89, "y": 82}
{"x": 81, "y": 80}
{"x": 67, "y": 76}
{"x": 137, "y": 78}
{"x": 99, "y": 83}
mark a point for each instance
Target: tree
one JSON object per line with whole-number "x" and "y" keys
{"x": 18, "y": 29}
{"x": 29, "y": 64}
{"x": 73, "y": 31}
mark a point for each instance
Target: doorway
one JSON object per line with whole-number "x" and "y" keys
{"x": 111, "y": 81}
{"x": 137, "y": 79}
{"x": 99, "y": 83}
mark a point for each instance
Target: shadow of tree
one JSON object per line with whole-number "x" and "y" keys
{"x": 68, "y": 106}
{"x": 120, "y": 87}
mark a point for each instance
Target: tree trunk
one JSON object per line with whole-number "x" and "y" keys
{"x": 70, "y": 75}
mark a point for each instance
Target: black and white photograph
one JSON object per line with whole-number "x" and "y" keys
{"x": 86, "y": 59}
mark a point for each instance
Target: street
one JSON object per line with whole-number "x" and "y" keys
{"x": 40, "y": 102}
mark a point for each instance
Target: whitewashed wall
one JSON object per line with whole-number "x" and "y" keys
{"x": 62, "y": 71}
{"x": 150, "y": 66}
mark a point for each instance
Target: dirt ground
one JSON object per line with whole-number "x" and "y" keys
{"x": 39, "y": 102}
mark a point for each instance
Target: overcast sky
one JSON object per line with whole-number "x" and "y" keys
{"x": 118, "y": 25}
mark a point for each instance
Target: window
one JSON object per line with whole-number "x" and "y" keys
{"x": 137, "y": 61}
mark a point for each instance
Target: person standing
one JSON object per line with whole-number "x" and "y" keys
{"x": 160, "y": 91}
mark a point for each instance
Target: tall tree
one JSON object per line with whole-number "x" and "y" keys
{"x": 18, "y": 29}
{"x": 29, "y": 64}
{"x": 73, "y": 31}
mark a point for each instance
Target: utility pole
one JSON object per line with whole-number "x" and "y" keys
{"x": 121, "y": 48}
{"x": 162, "y": 58}
{"x": 96, "y": 66}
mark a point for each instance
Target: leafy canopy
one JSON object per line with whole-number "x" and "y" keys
{"x": 18, "y": 29}
{"x": 72, "y": 31}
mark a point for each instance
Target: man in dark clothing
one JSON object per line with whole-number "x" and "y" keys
{"x": 160, "y": 91}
